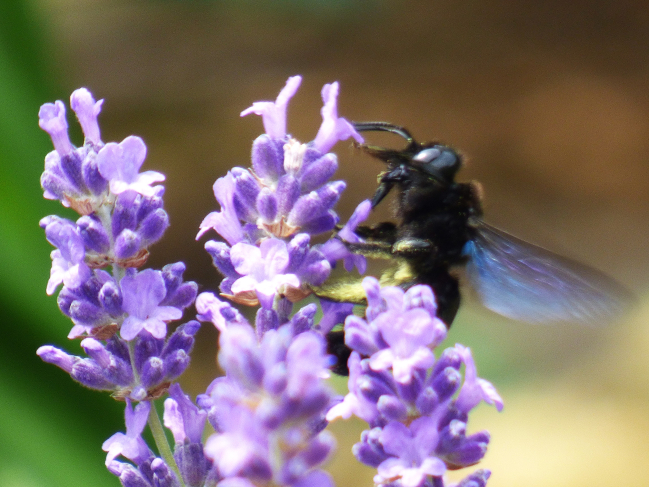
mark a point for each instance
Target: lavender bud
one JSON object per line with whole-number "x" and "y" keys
{"x": 87, "y": 110}
{"x": 163, "y": 476}
{"x": 71, "y": 166}
{"x": 267, "y": 205}
{"x": 149, "y": 204}
{"x": 57, "y": 357}
{"x": 116, "y": 370}
{"x": 318, "y": 172}
{"x": 321, "y": 224}
{"x": 118, "y": 347}
{"x": 427, "y": 401}
{"x": 392, "y": 408}
{"x": 370, "y": 451}
{"x": 192, "y": 463}
{"x": 127, "y": 244}
{"x": 125, "y": 212}
{"x": 146, "y": 346}
{"x": 111, "y": 298}
{"x": 476, "y": 479}
{"x": 449, "y": 358}
{"x": 267, "y": 319}
{"x": 446, "y": 383}
{"x": 175, "y": 364}
{"x": 86, "y": 313}
{"x": 93, "y": 234}
{"x": 153, "y": 226}
{"x": 298, "y": 248}
{"x": 373, "y": 387}
{"x": 56, "y": 186}
{"x": 303, "y": 320}
{"x": 181, "y": 339}
{"x": 246, "y": 193}
{"x": 92, "y": 177}
{"x": 153, "y": 371}
{"x": 267, "y": 157}
{"x": 128, "y": 475}
{"x": 90, "y": 374}
{"x": 183, "y": 296}
{"x": 220, "y": 254}
{"x": 288, "y": 192}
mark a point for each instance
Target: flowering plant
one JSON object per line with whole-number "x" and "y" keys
{"x": 268, "y": 414}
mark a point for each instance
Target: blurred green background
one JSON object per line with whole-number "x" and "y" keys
{"x": 548, "y": 100}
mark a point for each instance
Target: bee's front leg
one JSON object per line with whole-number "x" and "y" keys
{"x": 413, "y": 247}
{"x": 373, "y": 248}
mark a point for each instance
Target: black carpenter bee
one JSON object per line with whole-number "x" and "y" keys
{"x": 439, "y": 228}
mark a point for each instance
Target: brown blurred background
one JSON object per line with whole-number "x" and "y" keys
{"x": 549, "y": 102}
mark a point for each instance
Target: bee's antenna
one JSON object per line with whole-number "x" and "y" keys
{"x": 383, "y": 127}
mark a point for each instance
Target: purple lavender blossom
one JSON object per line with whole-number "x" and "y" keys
{"x": 285, "y": 195}
{"x": 186, "y": 421}
{"x": 143, "y": 373}
{"x": 148, "y": 471}
{"x": 130, "y": 444}
{"x": 71, "y": 174}
{"x": 257, "y": 274}
{"x": 120, "y": 163}
{"x": 272, "y": 394}
{"x": 68, "y": 265}
{"x": 143, "y": 292}
{"x": 101, "y": 182}
{"x": 406, "y": 395}
{"x": 335, "y": 248}
{"x": 286, "y": 191}
{"x": 274, "y": 113}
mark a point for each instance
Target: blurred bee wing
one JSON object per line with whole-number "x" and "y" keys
{"x": 525, "y": 282}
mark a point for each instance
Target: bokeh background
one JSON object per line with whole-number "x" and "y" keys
{"x": 548, "y": 100}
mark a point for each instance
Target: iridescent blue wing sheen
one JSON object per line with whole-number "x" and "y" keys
{"x": 525, "y": 282}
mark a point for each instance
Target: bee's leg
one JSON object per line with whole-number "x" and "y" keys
{"x": 384, "y": 232}
{"x": 374, "y": 248}
{"x": 413, "y": 247}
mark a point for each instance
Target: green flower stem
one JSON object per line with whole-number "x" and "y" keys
{"x": 161, "y": 442}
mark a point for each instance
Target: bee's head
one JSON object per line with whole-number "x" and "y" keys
{"x": 425, "y": 163}
{"x": 438, "y": 161}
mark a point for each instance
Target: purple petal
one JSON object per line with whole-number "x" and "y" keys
{"x": 226, "y": 223}
{"x": 120, "y": 163}
{"x": 246, "y": 259}
{"x": 475, "y": 389}
{"x": 275, "y": 255}
{"x": 87, "y": 110}
{"x": 274, "y": 113}
{"x": 333, "y": 128}
{"x": 51, "y": 118}
{"x": 142, "y": 293}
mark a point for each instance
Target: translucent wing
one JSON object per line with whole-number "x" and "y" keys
{"x": 525, "y": 282}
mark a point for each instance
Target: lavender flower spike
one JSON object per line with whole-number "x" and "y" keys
{"x": 272, "y": 394}
{"x": 407, "y": 395}
{"x": 287, "y": 190}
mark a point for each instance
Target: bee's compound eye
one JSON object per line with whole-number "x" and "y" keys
{"x": 447, "y": 160}
{"x": 439, "y": 161}
{"x": 427, "y": 155}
